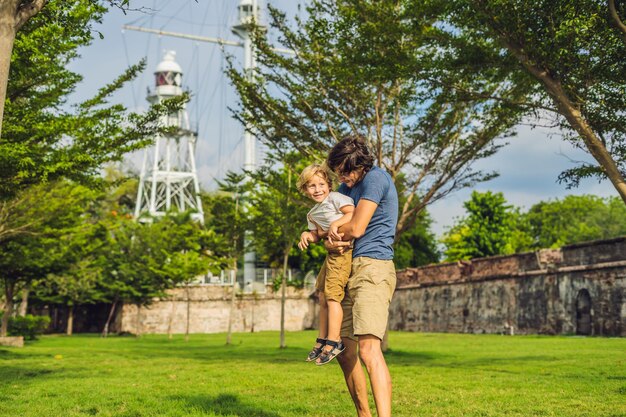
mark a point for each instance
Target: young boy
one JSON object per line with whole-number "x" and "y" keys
{"x": 331, "y": 211}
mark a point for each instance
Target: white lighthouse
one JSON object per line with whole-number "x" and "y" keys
{"x": 169, "y": 181}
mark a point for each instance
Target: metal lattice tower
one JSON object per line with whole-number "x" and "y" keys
{"x": 168, "y": 176}
{"x": 248, "y": 11}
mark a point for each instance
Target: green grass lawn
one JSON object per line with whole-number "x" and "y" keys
{"x": 433, "y": 375}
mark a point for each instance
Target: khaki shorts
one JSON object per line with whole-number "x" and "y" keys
{"x": 366, "y": 304}
{"x": 334, "y": 274}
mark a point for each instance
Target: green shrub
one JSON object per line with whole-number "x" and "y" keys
{"x": 28, "y": 326}
{"x": 297, "y": 282}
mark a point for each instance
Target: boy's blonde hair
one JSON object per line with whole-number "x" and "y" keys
{"x": 309, "y": 172}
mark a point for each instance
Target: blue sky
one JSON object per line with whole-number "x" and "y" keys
{"x": 528, "y": 166}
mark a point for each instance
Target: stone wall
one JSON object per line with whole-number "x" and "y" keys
{"x": 209, "y": 311}
{"x": 576, "y": 289}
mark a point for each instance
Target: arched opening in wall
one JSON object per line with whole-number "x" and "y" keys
{"x": 583, "y": 313}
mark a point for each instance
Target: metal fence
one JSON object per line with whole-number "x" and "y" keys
{"x": 264, "y": 278}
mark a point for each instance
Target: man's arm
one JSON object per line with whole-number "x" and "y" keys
{"x": 347, "y": 211}
{"x": 360, "y": 220}
{"x": 355, "y": 228}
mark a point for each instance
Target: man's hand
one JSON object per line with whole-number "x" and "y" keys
{"x": 305, "y": 238}
{"x": 336, "y": 246}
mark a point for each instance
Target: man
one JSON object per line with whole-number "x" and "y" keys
{"x": 373, "y": 278}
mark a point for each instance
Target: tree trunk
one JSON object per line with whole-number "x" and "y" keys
{"x": 23, "y": 302}
{"x": 55, "y": 318}
{"x": 594, "y": 145}
{"x": 7, "y": 37}
{"x": 9, "y": 287}
{"x": 283, "y": 297}
{"x": 105, "y": 331}
{"x": 617, "y": 21}
{"x": 254, "y": 297}
{"x": 188, "y": 312}
{"x": 229, "y": 335}
{"x": 138, "y": 325}
{"x": 13, "y": 14}
{"x": 169, "y": 324}
{"x": 570, "y": 111}
{"x": 70, "y": 320}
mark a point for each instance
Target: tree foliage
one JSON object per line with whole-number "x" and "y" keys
{"x": 278, "y": 210}
{"x": 417, "y": 246}
{"x": 278, "y": 216}
{"x": 370, "y": 67}
{"x": 575, "y": 219}
{"x": 47, "y": 217}
{"x": 44, "y": 137}
{"x": 153, "y": 257}
{"x": 493, "y": 227}
{"x": 486, "y": 231}
{"x": 226, "y": 213}
{"x": 567, "y": 58}
{"x": 83, "y": 246}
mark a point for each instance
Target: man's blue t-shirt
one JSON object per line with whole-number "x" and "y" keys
{"x": 376, "y": 186}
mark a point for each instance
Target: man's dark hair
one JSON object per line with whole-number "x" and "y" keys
{"x": 350, "y": 154}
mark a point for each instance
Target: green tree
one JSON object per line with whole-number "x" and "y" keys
{"x": 76, "y": 286}
{"x": 278, "y": 216}
{"x": 151, "y": 258}
{"x": 417, "y": 246}
{"x": 14, "y": 14}
{"x": 190, "y": 252}
{"x": 368, "y": 67}
{"x": 568, "y": 59}
{"x": 43, "y": 221}
{"x": 489, "y": 229}
{"x": 278, "y": 212}
{"x": 494, "y": 228}
{"x": 575, "y": 219}
{"x": 77, "y": 279}
{"x": 616, "y": 16}
{"x": 226, "y": 213}
{"x": 43, "y": 136}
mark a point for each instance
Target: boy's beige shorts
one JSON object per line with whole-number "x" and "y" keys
{"x": 333, "y": 276}
{"x": 366, "y": 303}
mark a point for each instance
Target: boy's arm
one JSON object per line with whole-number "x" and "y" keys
{"x": 333, "y": 233}
{"x": 321, "y": 234}
{"x": 308, "y": 236}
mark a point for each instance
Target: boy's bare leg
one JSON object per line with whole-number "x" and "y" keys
{"x": 372, "y": 356}
{"x": 323, "y": 329}
{"x": 335, "y": 317}
{"x": 355, "y": 377}
{"x": 323, "y": 325}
